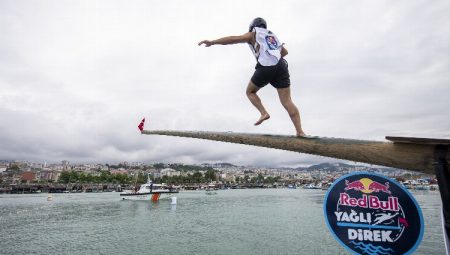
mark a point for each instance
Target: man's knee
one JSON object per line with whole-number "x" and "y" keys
{"x": 286, "y": 102}
{"x": 251, "y": 90}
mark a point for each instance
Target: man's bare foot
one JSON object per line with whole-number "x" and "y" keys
{"x": 303, "y": 135}
{"x": 262, "y": 118}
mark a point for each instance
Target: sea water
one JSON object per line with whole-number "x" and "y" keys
{"x": 260, "y": 221}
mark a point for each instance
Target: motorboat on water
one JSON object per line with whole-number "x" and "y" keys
{"x": 149, "y": 191}
{"x": 313, "y": 186}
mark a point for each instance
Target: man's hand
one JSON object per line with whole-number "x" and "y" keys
{"x": 207, "y": 43}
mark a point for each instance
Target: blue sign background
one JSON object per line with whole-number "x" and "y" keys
{"x": 409, "y": 238}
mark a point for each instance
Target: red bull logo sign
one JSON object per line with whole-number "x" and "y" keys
{"x": 373, "y": 214}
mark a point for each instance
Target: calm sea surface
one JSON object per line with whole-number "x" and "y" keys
{"x": 264, "y": 221}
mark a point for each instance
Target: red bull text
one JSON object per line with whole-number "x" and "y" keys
{"x": 372, "y": 202}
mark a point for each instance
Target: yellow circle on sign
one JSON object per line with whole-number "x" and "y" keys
{"x": 366, "y": 182}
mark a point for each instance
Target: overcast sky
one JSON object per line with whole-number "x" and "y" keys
{"x": 76, "y": 77}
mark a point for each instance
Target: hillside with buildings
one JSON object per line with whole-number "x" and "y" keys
{"x": 112, "y": 176}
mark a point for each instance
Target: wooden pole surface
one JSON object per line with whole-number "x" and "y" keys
{"x": 410, "y": 154}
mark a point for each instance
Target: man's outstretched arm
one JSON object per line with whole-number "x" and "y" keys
{"x": 245, "y": 38}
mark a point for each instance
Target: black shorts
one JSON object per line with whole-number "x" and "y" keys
{"x": 277, "y": 75}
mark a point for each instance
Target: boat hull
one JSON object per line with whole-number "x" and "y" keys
{"x": 154, "y": 196}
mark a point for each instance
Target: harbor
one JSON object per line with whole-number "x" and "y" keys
{"x": 424, "y": 185}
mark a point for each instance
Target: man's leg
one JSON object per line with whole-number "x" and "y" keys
{"x": 286, "y": 101}
{"x": 254, "y": 98}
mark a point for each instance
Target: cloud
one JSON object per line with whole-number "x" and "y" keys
{"x": 76, "y": 78}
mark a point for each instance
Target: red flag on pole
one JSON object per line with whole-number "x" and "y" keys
{"x": 141, "y": 125}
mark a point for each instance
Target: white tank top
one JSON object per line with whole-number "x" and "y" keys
{"x": 269, "y": 51}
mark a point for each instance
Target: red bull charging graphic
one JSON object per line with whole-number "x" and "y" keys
{"x": 372, "y": 214}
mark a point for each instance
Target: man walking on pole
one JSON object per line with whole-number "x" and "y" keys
{"x": 271, "y": 68}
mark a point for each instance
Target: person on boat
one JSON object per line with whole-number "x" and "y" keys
{"x": 271, "y": 68}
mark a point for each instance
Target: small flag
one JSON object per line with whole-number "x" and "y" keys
{"x": 141, "y": 125}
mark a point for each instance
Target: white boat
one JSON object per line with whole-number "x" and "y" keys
{"x": 149, "y": 191}
{"x": 313, "y": 186}
{"x": 422, "y": 187}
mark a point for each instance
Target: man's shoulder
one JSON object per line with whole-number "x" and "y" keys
{"x": 248, "y": 36}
